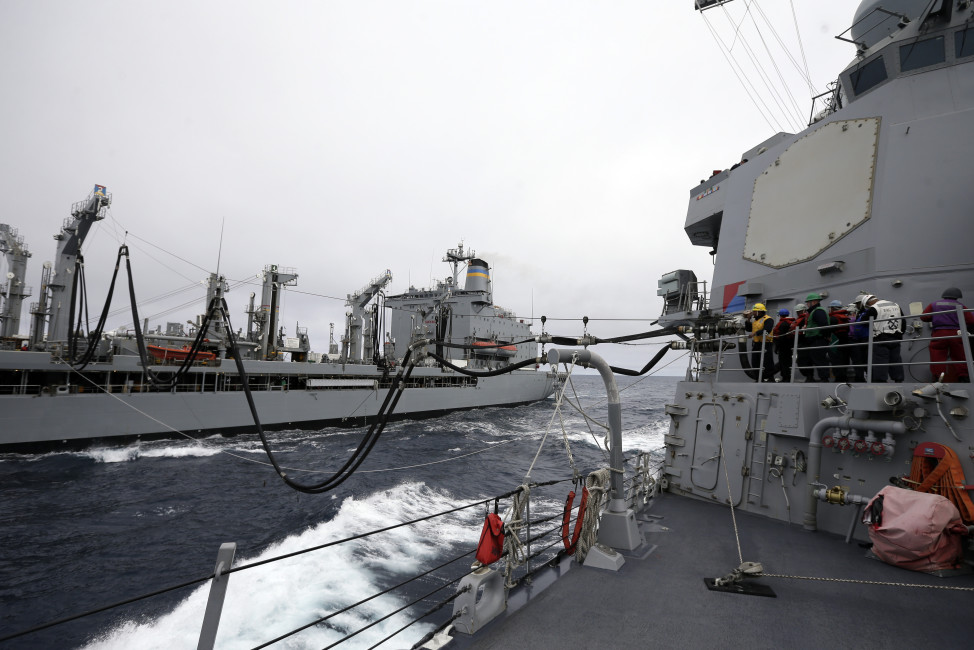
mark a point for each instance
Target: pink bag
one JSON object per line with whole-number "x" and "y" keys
{"x": 915, "y": 530}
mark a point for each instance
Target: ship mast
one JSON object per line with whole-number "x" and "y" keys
{"x": 12, "y": 290}
{"x": 83, "y": 215}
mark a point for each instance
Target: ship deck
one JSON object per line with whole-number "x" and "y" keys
{"x": 659, "y": 598}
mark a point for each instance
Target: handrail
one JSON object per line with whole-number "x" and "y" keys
{"x": 914, "y": 325}
{"x": 225, "y": 570}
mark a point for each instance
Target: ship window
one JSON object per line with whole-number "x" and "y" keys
{"x": 867, "y": 76}
{"x": 964, "y": 43}
{"x": 920, "y": 54}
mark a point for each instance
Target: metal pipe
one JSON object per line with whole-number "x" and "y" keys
{"x": 966, "y": 341}
{"x": 586, "y": 359}
{"x": 869, "y": 353}
{"x": 815, "y": 452}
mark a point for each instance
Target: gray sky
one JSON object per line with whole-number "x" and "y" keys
{"x": 559, "y": 139}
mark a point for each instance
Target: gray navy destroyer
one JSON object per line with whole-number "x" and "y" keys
{"x": 770, "y": 487}
{"x": 750, "y": 526}
{"x": 47, "y": 399}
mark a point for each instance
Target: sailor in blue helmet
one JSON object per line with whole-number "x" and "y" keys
{"x": 816, "y": 339}
{"x": 784, "y": 342}
{"x": 946, "y": 342}
{"x": 859, "y": 338}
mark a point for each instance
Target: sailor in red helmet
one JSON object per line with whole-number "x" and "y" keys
{"x": 946, "y": 343}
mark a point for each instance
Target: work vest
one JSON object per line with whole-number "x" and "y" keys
{"x": 860, "y": 329}
{"x": 839, "y": 317}
{"x": 887, "y": 309}
{"x": 783, "y": 326}
{"x": 948, "y": 320}
{"x": 757, "y": 329}
{"x": 813, "y": 330}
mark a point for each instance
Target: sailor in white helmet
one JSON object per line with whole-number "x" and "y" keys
{"x": 886, "y": 320}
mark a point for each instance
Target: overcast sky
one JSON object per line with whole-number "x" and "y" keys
{"x": 558, "y": 139}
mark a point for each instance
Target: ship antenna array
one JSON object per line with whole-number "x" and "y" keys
{"x": 219, "y": 250}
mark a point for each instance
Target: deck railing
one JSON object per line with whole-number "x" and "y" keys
{"x": 911, "y": 338}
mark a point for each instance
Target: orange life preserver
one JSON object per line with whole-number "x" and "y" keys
{"x": 567, "y": 518}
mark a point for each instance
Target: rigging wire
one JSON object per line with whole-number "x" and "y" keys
{"x": 784, "y": 85}
{"x": 743, "y": 80}
{"x": 763, "y": 76}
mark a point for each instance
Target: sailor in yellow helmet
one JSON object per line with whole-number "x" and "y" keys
{"x": 761, "y": 326}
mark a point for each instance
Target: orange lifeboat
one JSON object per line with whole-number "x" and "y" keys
{"x": 177, "y": 354}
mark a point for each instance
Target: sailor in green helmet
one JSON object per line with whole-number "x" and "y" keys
{"x": 816, "y": 340}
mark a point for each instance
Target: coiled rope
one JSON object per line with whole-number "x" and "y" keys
{"x": 597, "y": 484}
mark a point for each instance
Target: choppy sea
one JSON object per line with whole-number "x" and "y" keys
{"x": 82, "y": 530}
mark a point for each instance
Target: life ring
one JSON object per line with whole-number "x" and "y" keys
{"x": 567, "y": 518}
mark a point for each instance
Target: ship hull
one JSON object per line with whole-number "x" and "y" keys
{"x": 102, "y": 408}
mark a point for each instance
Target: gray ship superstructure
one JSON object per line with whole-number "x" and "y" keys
{"x": 871, "y": 198}
{"x": 771, "y": 486}
{"x": 46, "y": 398}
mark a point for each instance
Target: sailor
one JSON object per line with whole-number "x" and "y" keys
{"x": 859, "y": 338}
{"x": 840, "y": 350}
{"x": 784, "y": 342}
{"x": 886, "y": 320}
{"x": 946, "y": 342}
{"x": 816, "y": 339}
{"x": 798, "y": 328}
{"x": 762, "y": 327}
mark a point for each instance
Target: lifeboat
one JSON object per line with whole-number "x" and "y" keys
{"x": 178, "y": 354}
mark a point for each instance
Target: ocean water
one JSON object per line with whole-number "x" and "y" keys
{"x": 82, "y": 530}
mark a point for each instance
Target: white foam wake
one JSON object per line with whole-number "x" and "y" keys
{"x": 271, "y": 600}
{"x": 135, "y": 452}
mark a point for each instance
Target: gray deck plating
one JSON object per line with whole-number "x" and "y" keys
{"x": 661, "y": 601}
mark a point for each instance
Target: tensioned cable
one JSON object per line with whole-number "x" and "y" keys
{"x": 394, "y": 612}
{"x": 361, "y": 602}
{"x": 588, "y": 420}
{"x": 432, "y": 610}
{"x": 801, "y": 47}
{"x": 435, "y": 462}
{"x": 737, "y": 30}
{"x": 556, "y": 413}
{"x": 68, "y": 619}
{"x": 736, "y": 66}
{"x": 763, "y": 76}
{"x": 774, "y": 63}
{"x": 744, "y": 85}
{"x": 162, "y": 296}
{"x": 804, "y": 73}
{"x": 482, "y": 502}
{"x": 167, "y": 252}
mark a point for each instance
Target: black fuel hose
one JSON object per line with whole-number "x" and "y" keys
{"x": 485, "y": 373}
{"x": 646, "y": 368}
